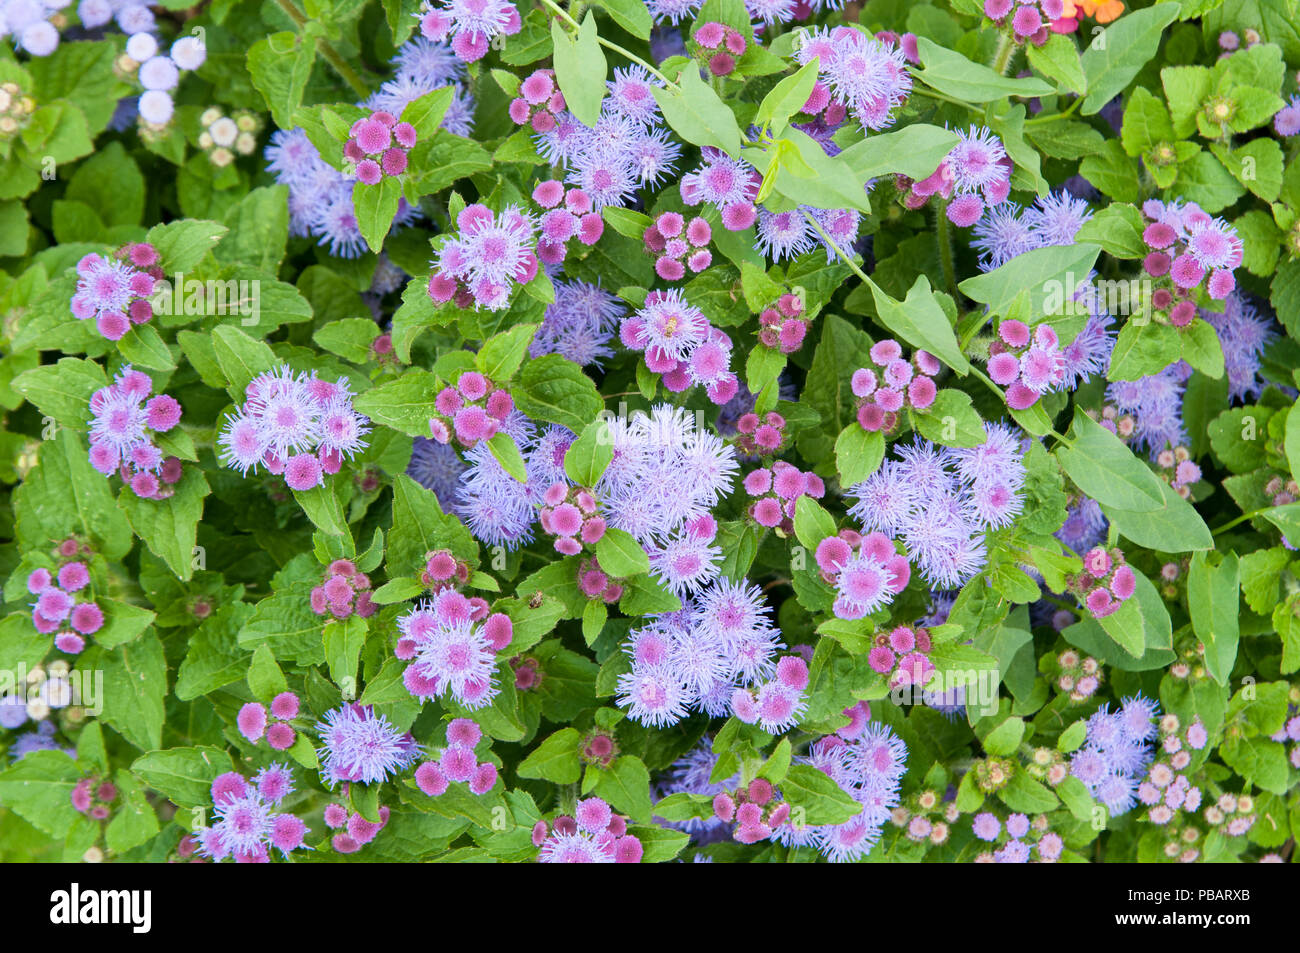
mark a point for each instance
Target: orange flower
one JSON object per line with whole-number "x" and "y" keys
{"x": 1103, "y": 11}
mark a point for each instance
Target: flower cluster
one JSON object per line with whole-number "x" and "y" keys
{"x": 457, "y": 763}
{"x": 1178, "y": 469}
{"x": 783, "y": 325}
{"x": 671, "y": 239}
{"x": 422, "y": 66}
{"x": 1028, "y": 21}
{"x": 700, "y": 656}
{"x": 756, "y": 810}
{"x": 595, "y": 582}
{"x": 442, "y": 570}
{"x": 481, "y": 265}
{"x": 974, "y": 175}
{"x": 1079, "y": 676}
{"x": 225, "y": 137}
{"x": 474, "y": 407}
{"x": 1008, "y": 230}
{"x": 280, "y": 735}
{"x": 94, "y": 798}
{"x": 15, "y": 109}
{"x": 891, "y": 384}
{"x": 775, "y": 491}
{"x": 681, "y": 345}
{"x": 593, "y": 835}
{"x": 717, "y": 46}
{"x": 1244, "y": 335}
{"x": 343, "y": 591}
{"x": 115, "y": 291}
{"x": 865, "y": 74}
{"x": 1148, "y": 412}
{"x": 1029, "y": 364}
{"x": 570, "y": 515}
{"x": 245, "y": 825}
{"x": 158, "y": 73}
{"x": 378, "y": 146}
{"x": 65, "y": 605}
{"x": 360, "y": 745}
{"x": 1116, "y": 751}
{"x": 452, "y": 645}
{"x": 1189, "y": 247}
{"x": 579, "y": 324}
{"x": 1105, "y": 583}
{"x": 626, "y": 149}
{"x": 728, "y": 185}
{"x": 940, "y": 501}
{"x": 866, "y": 571}
{"x": 1020, "y": 842}
{"x": 539, "y": 101}
{"x": 903, "y": 654}
{"x": 1166, "y": 788}
{"x": 870, "y": 768}
{"x": 471, "y": 24}
{"x": 776, "y": 704}
{"x": 569, "y": 215}
{"x": 300, "y": 425}
{"x": 757, "y": 437}
{"x": 123, "y": 434}
{"x": 354, "y": 831}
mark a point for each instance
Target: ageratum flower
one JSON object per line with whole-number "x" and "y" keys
{"x": 358, "y": 744}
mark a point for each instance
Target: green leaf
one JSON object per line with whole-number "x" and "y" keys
{"x": 954, "y": 75}
{"x": 626, "y": 786}
{"x": 858, "y": 453}
{"x": 698, "y": 115}
{"x": 343, "y": 640}
{"x": 914, "y": 151}
{"x": 183, "y": 775}
{"x": 280, "y": 65}
{"x": 1175, "y": 527}
{"x": 426, "y": 112}
{"x": 376, "y": 206}
{"x": 815, "y": 798}
{"x": 556, "y": 390}
{"x": 1058, "y": 60}
{"x": 787, "y": 97}
{"x": 580, "y": 69}
{"x": 240, "y": 358}
{"x": 405, "y": 404}
{"x": 500, "y": 356}
{"x": 812, "y": 524}
{"x": 555, "y": 759}
{"x": 1120, "y": 51}
{"x": 1117, "y": 228}
{"x": 507, "y": 454}
{"x": 323, "y": 508}
{"x": 588, "y": 456}
{"x": 922, "y": 322}
{"x": 1213, "y": 605}
{"x": 63, "y": 390}
{"x": 950, "y": 421}
{"x": 1050, "y": 276}
{"x": 169, "y": 527}
{"x": 631, "y": 15}
{"x": 182, "y": 245}
{"x": 620, "y": 554}
{"x": 1104, "y": 468}
{"x": 135, "y": 684}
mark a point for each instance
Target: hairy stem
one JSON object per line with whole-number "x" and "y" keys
{"x": 341, "y": 66}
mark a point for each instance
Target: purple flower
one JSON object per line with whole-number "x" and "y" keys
{"x": 867, "y": 76}
{"x": 579, "y": 325}
{"x": 1244, "y": 334}
{"x": 359, "y": 745}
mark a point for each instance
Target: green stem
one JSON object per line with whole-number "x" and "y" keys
{"x": 830, "y": 243}
{"x": 943, "y": 235}
{"x": 1002, "y": 59}
{"x": 341, "y": 66}
{"x": 632, "y": 57}
{"x": 1240, "y": 519}
{"x": 1069, "y": 111}
{"x": 930, "y": 94}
